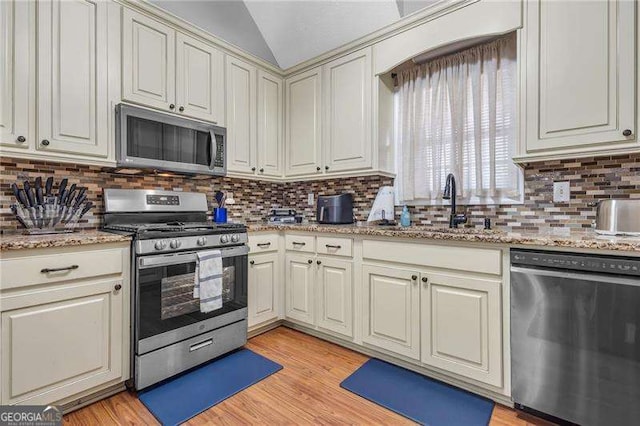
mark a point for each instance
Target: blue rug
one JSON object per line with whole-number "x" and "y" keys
{"x": 179, "y": 399}
{"x": 417, "y": 397}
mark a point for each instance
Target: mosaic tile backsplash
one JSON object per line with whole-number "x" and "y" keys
{"x": 591, "y": 179}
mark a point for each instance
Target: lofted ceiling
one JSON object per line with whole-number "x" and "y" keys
{"x": 288, "y": 32}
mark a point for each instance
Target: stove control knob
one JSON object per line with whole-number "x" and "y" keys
{"x": 175, "y": 244}
{"x": 160, "y": 245}
{"x": 224, "y": 239}
{"x": 202, "y": 241}
{"x": 235, "y": 238}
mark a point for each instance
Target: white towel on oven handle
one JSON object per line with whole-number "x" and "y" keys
{"x": 208, "y": 280}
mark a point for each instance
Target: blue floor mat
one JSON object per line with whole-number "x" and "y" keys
{"x": 417, "y": 397}
{"x": 179, "y": 399}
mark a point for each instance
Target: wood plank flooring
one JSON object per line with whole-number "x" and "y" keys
{"x": 305, "y": 391}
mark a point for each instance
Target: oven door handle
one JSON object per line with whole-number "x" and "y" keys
{"x": 177, "y": 258}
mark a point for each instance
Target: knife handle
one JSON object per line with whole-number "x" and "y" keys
{"x": 22, "y": 197}
{"x": 39, "y": 182}
{"x": 39, "y": 195}
{"x": 79, "y": 200}
{"x": 48, "y": 186}
{"x": 30, "y": 197}
{"x": 86, "y": 208}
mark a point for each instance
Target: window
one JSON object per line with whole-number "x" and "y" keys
{"x": 457, "y": 114}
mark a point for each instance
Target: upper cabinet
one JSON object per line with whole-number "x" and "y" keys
{"x": 329, "y": 117}
{"x": 270, "y": 123}
{"x": 72, "y": 98}
{"x": 302, "y": 123}
{"x": 165, "y": 69}
{"x": 580, "y": 78}
{"x": 16, "y": 59}
{"x": 241, "y": 116}
{"x": 347, "y": 124}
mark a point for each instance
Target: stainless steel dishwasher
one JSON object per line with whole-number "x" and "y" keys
{"x": 575, "y": 336}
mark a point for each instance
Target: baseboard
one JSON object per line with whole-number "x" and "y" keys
{"x": 263, "y": 328}
{"x": 76, "y": 404}
{"x": 497, "y": 397}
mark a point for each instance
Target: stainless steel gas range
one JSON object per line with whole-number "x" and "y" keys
{"x": 169, "y": 333}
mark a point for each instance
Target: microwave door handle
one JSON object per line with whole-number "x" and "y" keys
{"x": 213, "y": 150}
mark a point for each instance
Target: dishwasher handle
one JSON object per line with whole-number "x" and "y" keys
{"x": 612, "y": 279}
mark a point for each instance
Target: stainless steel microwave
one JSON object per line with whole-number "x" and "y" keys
{"x": 148, "y": 139}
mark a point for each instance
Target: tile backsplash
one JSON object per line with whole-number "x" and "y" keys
{"x": 591, "y": 179}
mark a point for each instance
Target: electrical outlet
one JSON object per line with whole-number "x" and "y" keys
{"x": 310, "y": 199}
{"x": 561, "y": 192}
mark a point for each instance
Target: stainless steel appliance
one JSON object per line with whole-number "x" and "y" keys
{"x": 575, "y": 336}
{"x": 283, "y": 215}
{"x": 618, "y": 217}
{"x": 154, "y": 140}
{"x": 335, "y": 209}
{"x": 169, "y": 333}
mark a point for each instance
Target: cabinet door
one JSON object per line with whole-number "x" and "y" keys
{"x": 391, "y": 310}
{"x": 302, "y": 131}
{"x": 299, "y": 288}
{"x": 270, "y": 139}
{"x": 241, "y": 116}
{"x": 16, "y": 57}
{"x": 335, "y": 295}
{"x": 62, "y": 342}
{"x": 264, "y": 274}
{"x": 148, "y": 61}
{"x": 462, "y": 327}
{"x": 199, "y": 80}
{"x": 580, "y": 89}
{"x": 73, "y": 104}
{"x": 347, "y": 124}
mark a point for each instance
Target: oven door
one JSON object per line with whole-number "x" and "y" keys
{"x": 166, "y": 311}
{"x": 154, "y": 140}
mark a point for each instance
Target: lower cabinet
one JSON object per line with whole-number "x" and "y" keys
{"x": 60, "y": 342}
{"x": 300, "y": 284}
{"x": 462, "y": 327}
{"x": 335, "y": 295}
{"x": 264, "y": 273}
{"x": 391, "y": 310}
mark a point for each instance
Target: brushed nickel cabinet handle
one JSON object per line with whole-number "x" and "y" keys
{"x": 67, "y": 268}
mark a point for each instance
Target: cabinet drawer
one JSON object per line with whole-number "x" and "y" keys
{"x": 335, "y": 246}
{"x": 43, "y": 269}
{"x": 484, "y": 261}
{"x": 263, "y": 243}
{"x": 302, "y": 243}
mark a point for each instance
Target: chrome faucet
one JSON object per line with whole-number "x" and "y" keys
{"x": 450, "y": 194}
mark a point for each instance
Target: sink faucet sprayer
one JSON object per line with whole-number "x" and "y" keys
{"x": 450, "y": 194}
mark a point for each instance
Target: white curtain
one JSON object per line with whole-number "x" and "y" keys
{"x": 457, "y": 114}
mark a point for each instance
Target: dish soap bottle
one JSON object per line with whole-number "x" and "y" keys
{"x": 405, "y": 217}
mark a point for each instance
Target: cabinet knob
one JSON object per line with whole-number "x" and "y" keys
{"x": 261, "y": 170}
{"x": 21, "y": 139}
{"x": 117, "y": 287}
{"x": 326, "y": 167}
{"x": 172, "y": 106}
{"x": 414, "y": 277}
{"x": 253, "y": 169}
{"x": 309, "y": 261}
{"x": 251, "y": 262}
{"x": 627, "y": 132}
{"x": 45, "y": 142}
{"x": 318, "y": 262}
{"x": 181, "y": 109}
{"x": 318, "y": 168}
{"x": 425, "y": 280}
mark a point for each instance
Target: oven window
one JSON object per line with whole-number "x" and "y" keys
{"x": 165, "y": 295}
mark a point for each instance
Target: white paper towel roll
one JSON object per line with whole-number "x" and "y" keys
{"x": 383, "y": 203}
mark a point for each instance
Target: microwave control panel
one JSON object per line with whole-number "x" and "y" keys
{"x": 219, "y": 160}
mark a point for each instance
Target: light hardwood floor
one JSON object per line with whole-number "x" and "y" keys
{"x": 307, "y": 390}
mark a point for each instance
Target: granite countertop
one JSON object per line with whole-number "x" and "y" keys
{"x": 17, "y": 241}
{"x": 560, "y": 237}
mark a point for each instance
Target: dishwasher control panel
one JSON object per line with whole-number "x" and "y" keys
{"x": 577, "y": 262}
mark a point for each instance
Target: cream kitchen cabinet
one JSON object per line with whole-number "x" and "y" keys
{"x": 303, "y": 131}
{"x": 580, "y": 75}
{"x": 391, "y": 309}
{"x": 72, "y": 97}
{"x": 335, "y": 295}
{"x": 270, "y": 125}
{"x": 347, "y": 121}
{"x": 64, "y": 330}
{"x": 300, "y": 284}
{"x": 264, "y": 295}
{"x": 17, "y": 57}
{"x": 165, "y": 69}
{"x": 241, "y": 116}
{"x": 461, "y": 325}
